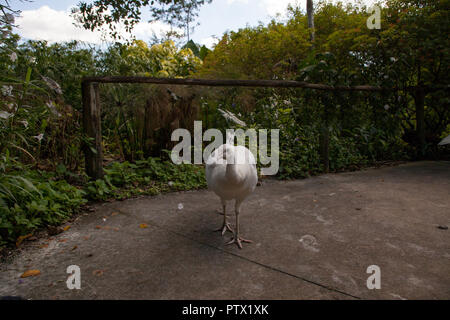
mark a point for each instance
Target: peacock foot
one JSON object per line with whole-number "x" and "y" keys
{"x": 226, "y": 227}
{"x": 238, "y": 240}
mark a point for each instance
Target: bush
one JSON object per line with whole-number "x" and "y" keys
{"x": 30, "y": 199}
{"x": 151, "y": 176}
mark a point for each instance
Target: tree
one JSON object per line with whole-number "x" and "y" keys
{"x": 199, "y": 51}
{"x": 179, "y": 13}
{"x": 193, "y": 46}
{"x": 310, "y": 13}
{"x": 7, "y": 18}
{"x": 417, "y": 43}
{"x": 204, "y": 51}
{"x": 158, "y": 60}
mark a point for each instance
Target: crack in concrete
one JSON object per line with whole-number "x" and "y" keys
{"x": 252, "y": 261}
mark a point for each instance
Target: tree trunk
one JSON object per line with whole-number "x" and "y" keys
{"x": 310, "y": 13}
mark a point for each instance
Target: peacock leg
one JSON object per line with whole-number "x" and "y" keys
{"x": 225, "y": 226}
{"x": 237, "y": 238}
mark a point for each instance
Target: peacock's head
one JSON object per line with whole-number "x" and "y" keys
{"x": 228, "y": 153}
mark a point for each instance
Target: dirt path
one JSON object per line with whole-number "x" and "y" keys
{"x": 313, "y": 239}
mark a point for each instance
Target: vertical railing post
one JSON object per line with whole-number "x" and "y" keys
{"x": 92, "y": 129}
{"x": 325, "y": 147}
{"x": 324, "y": 140}
{"x": 419, "y": 99}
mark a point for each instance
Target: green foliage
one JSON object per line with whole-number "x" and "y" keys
{"x": 410, "y": 49}
{"x": 65, "y": 63}
{"x": 151, "y": 176}
{"x": 193, "y": 46}
{"x": 126, "y": 121}
{"x": 158, "y": 60}
{"x": 242, "y": 54}
{"x": 199, "y": 51}
{"x": 41, "y": 99}
{"x": 40, "y": 125}
{"x": 204, "y": 51}
{"x": 30, "y": 199}
{"x": 40, "y": 109}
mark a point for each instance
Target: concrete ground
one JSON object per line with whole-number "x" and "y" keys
{"x": 313, "y": 239}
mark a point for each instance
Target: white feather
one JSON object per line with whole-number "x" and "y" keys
{"x": 444, "y": 141}
{"x": 239, "y": 181}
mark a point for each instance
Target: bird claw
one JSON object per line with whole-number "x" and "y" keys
{"x": 238, "y": 241}
{"x": 226, "y": 227}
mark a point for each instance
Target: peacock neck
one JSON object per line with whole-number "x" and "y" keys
{"x": 232, "y": 173}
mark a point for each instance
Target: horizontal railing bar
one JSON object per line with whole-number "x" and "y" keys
{"x": 248, "y": 83}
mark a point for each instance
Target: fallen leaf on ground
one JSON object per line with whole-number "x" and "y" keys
{"x": 30, "y": 273}
{"x": 74, "y": 247}
{"x": 114, "y": 214}
{"x": 66, "y": 228}
{"x": 143, "y": 226}
{"x": 98, "y": 273}
{"x": 106, "y": 228}
{"x": 21, "y": 238}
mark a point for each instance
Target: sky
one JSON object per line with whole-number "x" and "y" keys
{"x": 51, "y": 20}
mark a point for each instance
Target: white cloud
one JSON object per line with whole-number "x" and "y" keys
{"x": 145, "y": 30}
{"x": 272, "y": 7}
{"x": 48, "y": 24}
{"x": 241, "y": 1}
{"x": 209, "y": 42}
{"x": 279, "y": 6}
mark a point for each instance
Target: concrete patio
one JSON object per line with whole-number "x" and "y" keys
{"x": 313, "y": 239}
